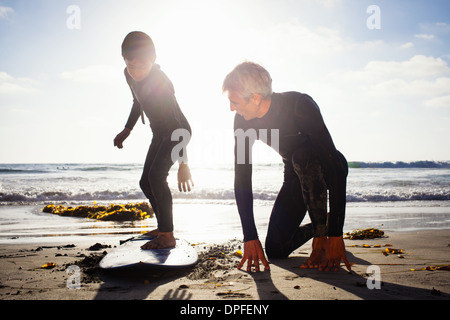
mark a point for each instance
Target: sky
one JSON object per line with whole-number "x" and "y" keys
{"x": 379, "y": 71}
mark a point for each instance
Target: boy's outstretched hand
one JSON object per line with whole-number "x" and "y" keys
{"x": 184, "y": 178}
{"x": 120, "y": 138}
{"x": 253, "y": 252}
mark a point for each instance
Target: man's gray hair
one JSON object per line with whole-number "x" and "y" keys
{"x": 248, "y": 78}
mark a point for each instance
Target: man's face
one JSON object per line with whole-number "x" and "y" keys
{"x": 139, "y": 67}
{"x": 249, "y": 109}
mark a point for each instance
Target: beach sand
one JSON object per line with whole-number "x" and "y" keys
{"x": 216, "y": 277}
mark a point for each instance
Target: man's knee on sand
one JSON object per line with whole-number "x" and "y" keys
{"x": 278, "y": 241}
{"x": 281, "y": 242}
{"x": 275, "y": 249}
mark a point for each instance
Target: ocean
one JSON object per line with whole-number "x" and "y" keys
{"x": 399, "y": 196}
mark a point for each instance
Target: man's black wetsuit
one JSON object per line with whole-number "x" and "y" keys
{"x": 155, "y": 96}
{"x": 311, "y": 166}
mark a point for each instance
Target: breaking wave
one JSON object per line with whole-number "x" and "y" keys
{"x": 42, "y": 183}
{"x": 401, "y": 164}
{"x": 214, "y": 196}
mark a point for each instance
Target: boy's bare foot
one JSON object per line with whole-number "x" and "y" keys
{"x": 162, "y": 241}
{"x": 153, "y": 233}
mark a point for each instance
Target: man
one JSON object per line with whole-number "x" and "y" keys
{"x": 312, "y": 165}
{"x": 154, "y": 95}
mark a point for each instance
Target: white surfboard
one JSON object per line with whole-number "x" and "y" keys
{"x": 129, "y": 255}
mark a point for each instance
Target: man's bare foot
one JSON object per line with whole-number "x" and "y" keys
{"x": 162, "y": 241}
{"x": 317, "y": 255}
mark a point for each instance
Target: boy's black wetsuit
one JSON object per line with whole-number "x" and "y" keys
{"x": 311, "y": 166}
{"x": 155, "y": 96}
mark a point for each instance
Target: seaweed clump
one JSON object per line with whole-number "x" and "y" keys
{"x": 217, "y": 257}
{"x": 370, "y": 233}
{"x": 113, "y": 212}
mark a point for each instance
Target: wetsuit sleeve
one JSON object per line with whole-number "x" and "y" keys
{"x": 312, "y": 124}
{"x": 135, "y": 109}
{"x": 134, "y": 114}
{"x": 243, "y": 186}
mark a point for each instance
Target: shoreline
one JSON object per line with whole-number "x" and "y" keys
{"x": 22, "y": 278}
{"x": 206, "y": 222}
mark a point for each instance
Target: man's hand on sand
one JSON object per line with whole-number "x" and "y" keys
{"x": 327, "y": 254}
{"x": 253, "y": 253}
{"x": 318, "y": 253}
{"x": 335, "y": 252}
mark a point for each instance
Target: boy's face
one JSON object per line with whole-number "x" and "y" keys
{"x": 139, "y": 67}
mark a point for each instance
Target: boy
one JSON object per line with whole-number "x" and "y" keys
{"x": 153, "y": 94}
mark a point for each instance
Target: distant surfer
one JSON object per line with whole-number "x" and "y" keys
{"x": 312, "y": 165}
{"x": 154, "y": 96}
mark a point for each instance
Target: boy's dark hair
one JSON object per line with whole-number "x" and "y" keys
{"x": 138, "y": 44}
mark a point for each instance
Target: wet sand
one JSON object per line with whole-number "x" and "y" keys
{"x": 216, "y": 278}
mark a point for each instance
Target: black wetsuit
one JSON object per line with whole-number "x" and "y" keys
{"x": 311, "y": 166}
{"x": 155, "y": 96}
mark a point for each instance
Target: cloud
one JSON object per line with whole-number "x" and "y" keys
{"x": 329, "y": 4}
{"x": 407, "y": 45}
{"x": 440, "y": 28}
{"x": 391, "y": 108}
{"x": 95, "y": 74}
{"x": 291, "y": 40}
{"x": 400, "y": 88}
{"x": 10, "y": 86}
{"x": 419, "y": 81}
{"x": 439, "y": 102}
{"x": 425, "y": 36}
{"x": 5, "y": 12}
{"x": 418, "y": 66}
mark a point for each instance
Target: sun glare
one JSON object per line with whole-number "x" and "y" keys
{"x": 193, "y": 49}
{"x": 197, "y": 45}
